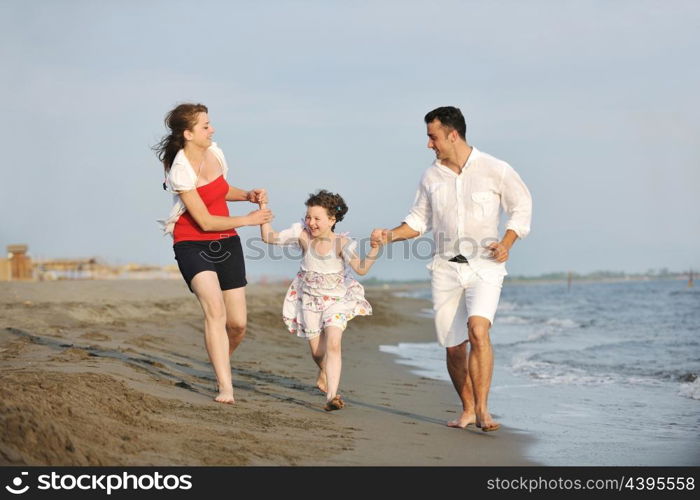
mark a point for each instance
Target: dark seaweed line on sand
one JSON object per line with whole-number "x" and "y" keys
{"x": 150, "y": 363}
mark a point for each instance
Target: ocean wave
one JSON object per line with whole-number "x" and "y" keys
{"x": 504, "y": 305}
{"x": 690, "y": 389}
{"x": 552, "y": 373}
{"x": 685, "y": 292}
{"x": 553, "y": 322}
{"x": 512, "y": 320}
{"x": 539, "y": 335}
{"x": 426, "y": 313}
{"x": 413, "y": 294}
{"x": 567, "y": 374}
{"x": 563, "y": 323}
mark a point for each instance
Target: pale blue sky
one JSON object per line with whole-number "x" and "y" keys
{"x": 594, "y": 103}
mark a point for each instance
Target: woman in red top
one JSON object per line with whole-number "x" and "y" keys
{"x": 207, "y": 247}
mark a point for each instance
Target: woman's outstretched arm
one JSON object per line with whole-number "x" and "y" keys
{"x": 208, "y": 222}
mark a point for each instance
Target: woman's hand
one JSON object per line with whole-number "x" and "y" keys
{"x": 258, "y": 217}
{"x": 257, "y": 196}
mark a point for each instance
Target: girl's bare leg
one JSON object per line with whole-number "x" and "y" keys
{"x": 318, "y": 353}
{"x": 334, "y": 361}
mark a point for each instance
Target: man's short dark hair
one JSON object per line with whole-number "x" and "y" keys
{"x": 450, "y": 117}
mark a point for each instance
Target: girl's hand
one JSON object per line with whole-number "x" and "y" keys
{"x": 258, "y": 217}
{"x": 257, "y": 196}
{"x": 379, "y": 237}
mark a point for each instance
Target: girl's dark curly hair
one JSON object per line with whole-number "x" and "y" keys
{"x": 333, "y": 203}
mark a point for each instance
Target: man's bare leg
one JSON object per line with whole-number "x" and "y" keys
{"x": 481, "y": 370}
{"x": 457, "y": 367}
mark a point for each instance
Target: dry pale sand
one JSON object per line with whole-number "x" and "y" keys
{"x": 115, "y": 373}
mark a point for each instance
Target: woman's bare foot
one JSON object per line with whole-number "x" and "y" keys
{"x": 465, "y": 419}
{"x": 487, "y": 424}
{"x": 225, "y": 397}
{"x": 321, "y": 382}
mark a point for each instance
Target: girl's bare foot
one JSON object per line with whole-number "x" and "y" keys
{"x": 321, "y": 382}
{"x": 334, "y": 404}
{"x": 465, "y": 419}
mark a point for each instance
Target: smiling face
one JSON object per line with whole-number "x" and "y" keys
{"x": 201, "y": 133}
{"x": 442, "y": 140}
{"x": 318, "y": 221}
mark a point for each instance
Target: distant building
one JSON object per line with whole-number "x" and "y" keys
{"x": 5, "y": 272}
{"x": 18, "y": 265}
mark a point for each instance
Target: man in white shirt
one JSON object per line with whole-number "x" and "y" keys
{"x": 459, "y": 199}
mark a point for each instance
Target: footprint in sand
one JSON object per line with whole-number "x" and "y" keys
{"x": 72, "y": 354}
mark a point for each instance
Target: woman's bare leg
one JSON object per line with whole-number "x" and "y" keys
{"x": 207, "y": 289}
{"x": 236, "y": 317}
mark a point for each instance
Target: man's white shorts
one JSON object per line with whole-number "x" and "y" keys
{"x": 459, "y": 293}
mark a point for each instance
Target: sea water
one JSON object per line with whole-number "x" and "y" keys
{"x": 599, "y": 374}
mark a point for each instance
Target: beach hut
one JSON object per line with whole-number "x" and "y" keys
{"x": 20, "y": 263}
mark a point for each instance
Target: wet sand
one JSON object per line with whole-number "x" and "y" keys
{"x": 115, "y": 373}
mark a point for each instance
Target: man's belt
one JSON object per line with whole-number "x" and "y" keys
{"x": 460, "y": 259}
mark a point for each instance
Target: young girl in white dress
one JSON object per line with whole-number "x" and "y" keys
{"x": 323, "y": 296}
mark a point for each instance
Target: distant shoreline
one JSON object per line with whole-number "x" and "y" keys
{"x": 520, "y": 280}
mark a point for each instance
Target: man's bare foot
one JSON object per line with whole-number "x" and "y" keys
{"x": 465, "y": 419}
{"x": 487, "y": 424}
{"x": 225, "y": 397}
{"x": 321, "y": 382}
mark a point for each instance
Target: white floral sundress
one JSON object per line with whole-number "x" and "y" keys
{"x": 323, "y": 293}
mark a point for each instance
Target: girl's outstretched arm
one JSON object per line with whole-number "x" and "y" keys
{"x": 290, "y": 236}
{"x": 267, "y": 234}
{"x": 363, "y": 266}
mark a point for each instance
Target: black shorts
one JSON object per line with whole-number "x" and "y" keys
{"x": 224, "y": 257}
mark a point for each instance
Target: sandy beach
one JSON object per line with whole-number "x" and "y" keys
{"x": 115, "y": 373}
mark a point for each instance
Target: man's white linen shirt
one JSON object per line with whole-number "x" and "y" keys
{"x": 462, "y": 210}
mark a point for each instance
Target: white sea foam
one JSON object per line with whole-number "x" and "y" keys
{"x": 420, "y": 293}
{"x": 562, "y": 323}
{"x": 552, "y": 373}
{"x": 511, "y": 320}
{"x": 425, "y": 359}
{"x": 426, "y": 313}
{"x": 690, "y": 389}
{"x": 539, "y": 334}
{"x": 560, "y": 374}
{"x": 553, "y": 322}
{"x": 506, "y": 306}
